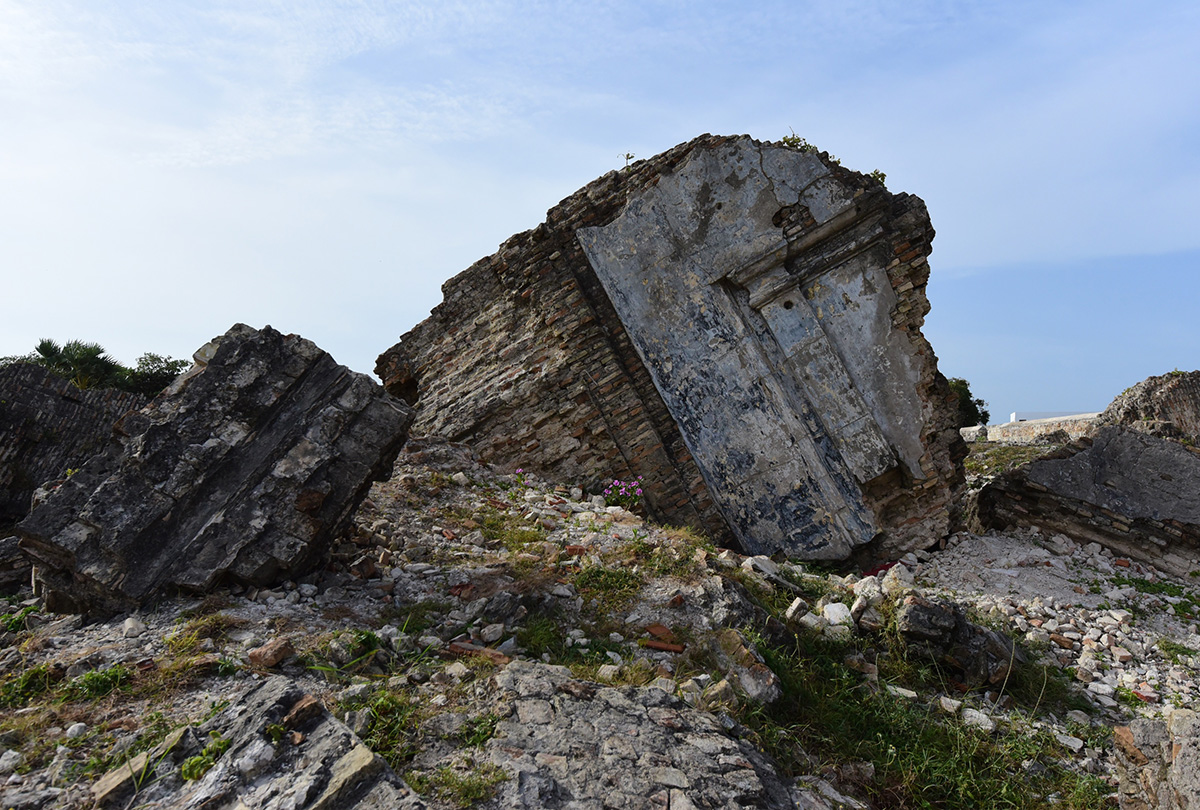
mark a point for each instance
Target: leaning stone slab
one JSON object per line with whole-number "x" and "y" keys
{"x": 1135, "y": 493}
{"x": 244, "y": 470}
{"x": 736, "y": 325}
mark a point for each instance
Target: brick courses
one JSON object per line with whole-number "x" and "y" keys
{"x": 527, "y": 360}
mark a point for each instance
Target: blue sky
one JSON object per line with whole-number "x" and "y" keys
{"x": 169, "y": 168}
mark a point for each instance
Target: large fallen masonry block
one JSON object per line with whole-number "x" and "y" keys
{"x": 243, "y": 471}
{"x": 1132, "y": 486}
{"x": 738, "y": 323}
{"x": 1135, "y": 493}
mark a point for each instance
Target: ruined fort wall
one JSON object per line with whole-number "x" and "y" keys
{"x": 1167, "y": 405}
{"x": 527, "y": 360}
{"x": 1037, "y": 431}
{"x": 47, "y": 427}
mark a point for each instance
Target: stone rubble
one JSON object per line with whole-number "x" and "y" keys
{"x": 434, "y": 596}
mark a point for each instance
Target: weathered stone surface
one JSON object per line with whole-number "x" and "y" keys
{"x": 629, "y": 747}
{"x": 942, "y": 632}
{"x": 271, "y": 653}
{"x": 737, "y": 322}
{"x": 277, "y": 757}
{"x": 15, "y": 565}
{"x": 1167, "y": 405}
{"x": 48, "y": 427}
{"x": 1159, "y": 762}
{"x": 242, "y": 471}
{"x": 979, "y": 433}
{"x": 1132, "y": 492}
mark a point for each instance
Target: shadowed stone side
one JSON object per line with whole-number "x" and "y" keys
{"x": 244, "y": 470}
{"x": 738, "y": 323}
{"x": 1129, "y": 491}
{"x": 47, "y": 427}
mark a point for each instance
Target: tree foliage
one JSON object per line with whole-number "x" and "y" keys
{"x": 88, "y": 365}
{"x": 152, "y": 374}
{"x": 971, "y": 410}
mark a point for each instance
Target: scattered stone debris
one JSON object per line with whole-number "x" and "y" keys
{"x": 1127, "y": 630}
{"x": 569, "y": 353}
{"x": 526, "y": 644}
{"x": 242, "y": 471}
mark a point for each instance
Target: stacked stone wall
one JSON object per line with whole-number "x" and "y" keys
{"x": 1041, "y": 431}
{"x": 1167, "y": 405}
{"x": 527, "y": 360}
{"x": 47, "y": 427}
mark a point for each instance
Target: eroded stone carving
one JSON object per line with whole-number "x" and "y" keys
{"x": 242, "y": 471}
{"x": 737, "y": 322}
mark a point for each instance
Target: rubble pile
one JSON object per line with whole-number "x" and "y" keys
{"x": 490, "y": 633}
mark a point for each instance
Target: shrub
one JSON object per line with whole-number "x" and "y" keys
{"x": 971, "y": 410}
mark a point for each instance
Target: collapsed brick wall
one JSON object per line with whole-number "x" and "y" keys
{"x": 1167, "y": 405}
{"x": 1126, "y": 490}
{"x": 47, "y": 427}
{"x": 527, "y": 360}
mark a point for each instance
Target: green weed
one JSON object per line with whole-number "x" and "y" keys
{"x": 393, "y": 730}
{"x": 509, "y": 531}
{"x": 195, "y": 767}
{"x": 1188, "y": 606}
{"x": 1173, "y": 650}
{"x": 17, "y": 690}
{"x": 990, "y": 458}
{"x": 15, "y": 622}
{"x": 461, "y": 789}
{"x": 188, "y": 638}
{"x": 922, "y": 759}
{"x": 478, "y": 730}
{"x": 612, "y": 588}
{"x": 98, "y": 683}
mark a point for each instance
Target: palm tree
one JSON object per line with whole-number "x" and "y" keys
{"x": 86, "y": 365}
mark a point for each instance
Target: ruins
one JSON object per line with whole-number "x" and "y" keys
{"x": 47, "y": 428}
{"x": 735, "y": 323}
{"x": 1129, "y": 486}
{"x": 242, "y": 471}
{"x": 1166, "y": 405}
